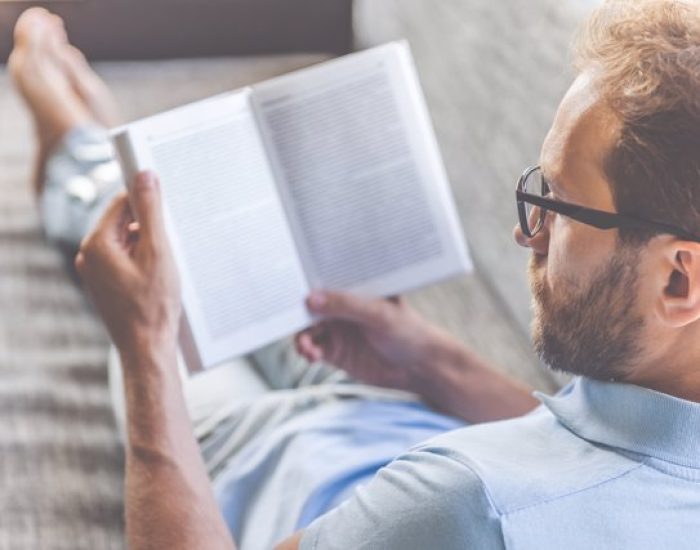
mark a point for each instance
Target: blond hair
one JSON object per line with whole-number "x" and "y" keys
{"x": 646, "y": 58}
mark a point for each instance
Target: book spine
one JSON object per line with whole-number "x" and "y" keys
{"x": 124, "y": 146}
{"x": 125, "y": 152}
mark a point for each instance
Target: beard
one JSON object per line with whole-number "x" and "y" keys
{"x": 592, "y": 330}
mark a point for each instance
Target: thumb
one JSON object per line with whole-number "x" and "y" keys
{"x": 145, "y": 203}
{"x": 108, "y": 231}
{"x": 105, "y": 243}
{"x": 340, "y": 305}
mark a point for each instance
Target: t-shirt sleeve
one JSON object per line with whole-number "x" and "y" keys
{"x": 424, "y": 499}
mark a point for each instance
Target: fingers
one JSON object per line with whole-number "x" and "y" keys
{"x": 306, "y": 347}
{"x": 314, "y": 343}
{"x": 145, "y": 203}
{"x": 107, "y": 238}
{"x": 340, "y": 305}
{"x": 110, "y": 229}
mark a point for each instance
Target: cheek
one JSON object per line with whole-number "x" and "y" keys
{"x": 574, "y": 253}
{"x": 559, "y": 255}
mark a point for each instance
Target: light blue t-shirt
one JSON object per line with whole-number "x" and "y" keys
{"x": 307, "y": 465}
{"x": 601, "y": 465}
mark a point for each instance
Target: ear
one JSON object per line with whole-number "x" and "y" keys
{"x": 679, "y": 304}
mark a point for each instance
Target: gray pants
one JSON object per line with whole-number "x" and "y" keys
{"x": 233, "y": 403}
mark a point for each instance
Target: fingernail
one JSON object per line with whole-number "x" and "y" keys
{"x": 317, "y": 299}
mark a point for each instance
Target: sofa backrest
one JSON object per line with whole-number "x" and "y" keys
{"x": 494, "y": 73}
{"x": 152, "y": 29}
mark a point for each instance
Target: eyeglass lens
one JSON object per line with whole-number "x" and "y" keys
{"x": 535, "y": 185}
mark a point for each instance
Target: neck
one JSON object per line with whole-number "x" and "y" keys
{"x": 672, "y": 375}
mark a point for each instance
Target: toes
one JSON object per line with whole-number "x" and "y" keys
{"x": 54, "y": 77}
{"x": 58, "y": 35}
{"x": 37, "y": 27}
{"x": 30, "y": 25}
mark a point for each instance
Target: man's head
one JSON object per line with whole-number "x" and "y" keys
{"x": 626, "y": 139}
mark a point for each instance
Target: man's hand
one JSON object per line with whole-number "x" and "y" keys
{"x": 127, "y": 267}
{"x": 379, "y": 342}
{"x": 386, "y": 343}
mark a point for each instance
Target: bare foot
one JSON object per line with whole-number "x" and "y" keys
{"x": 90, "y": 87}
{"x": 37, "y": 69}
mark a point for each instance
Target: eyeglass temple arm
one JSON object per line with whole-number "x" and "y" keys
{"x": 600, "y": 219}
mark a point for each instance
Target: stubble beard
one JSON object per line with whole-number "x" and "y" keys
{"x": 591, "y": 330}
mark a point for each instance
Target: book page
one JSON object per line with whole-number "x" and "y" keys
{"x": 362, "y": 178}
{"x": 243, "y": 284}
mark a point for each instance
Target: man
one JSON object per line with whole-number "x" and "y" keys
{"x": 612, "y": 216}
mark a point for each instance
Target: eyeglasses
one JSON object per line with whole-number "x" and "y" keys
{"x": 533, "y": 205}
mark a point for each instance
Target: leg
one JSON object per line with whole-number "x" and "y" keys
{"x": 49, "y": 75}
{"x": 75, "y": 173}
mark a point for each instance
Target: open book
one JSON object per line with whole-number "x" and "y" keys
{"x": 329, "y": 177}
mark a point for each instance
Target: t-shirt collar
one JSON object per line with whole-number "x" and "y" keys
{"x": 630, "y": 418}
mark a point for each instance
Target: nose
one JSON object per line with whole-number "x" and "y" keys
{"x": 539, "y": 244}
{"x": 520, "y": 237}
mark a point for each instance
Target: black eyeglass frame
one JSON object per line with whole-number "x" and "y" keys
{"x": 589, "y": 216}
